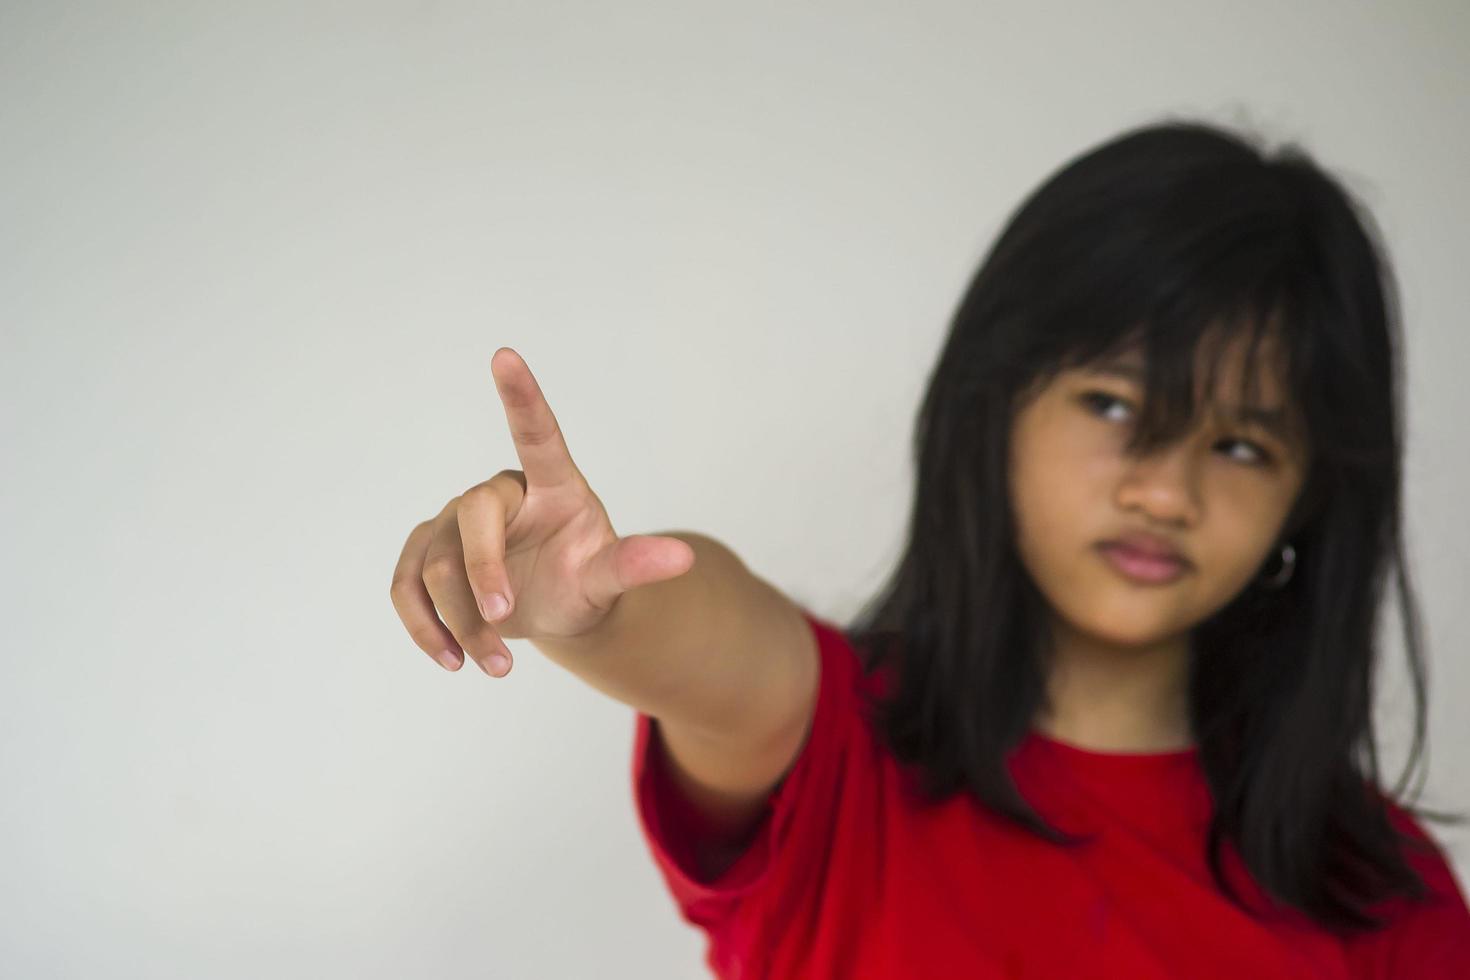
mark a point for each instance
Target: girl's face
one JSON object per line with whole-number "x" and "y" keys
{"x": 1220, "y": 494}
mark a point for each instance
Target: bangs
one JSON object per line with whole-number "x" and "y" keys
{"x": 1178, "y": 363}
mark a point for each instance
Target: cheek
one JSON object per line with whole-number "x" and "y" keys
{"x": 1075, "y": 465}
{"x": 1239, "y": 540}
{"x": 1058, "y": 494}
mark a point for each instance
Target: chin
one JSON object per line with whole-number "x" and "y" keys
{"x": 1138, "y": 639}
{"x": 1119, "y": 626}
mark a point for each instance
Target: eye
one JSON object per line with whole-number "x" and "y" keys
{"x": 1099, "y": 402}
{"x": 1263, "y": 458}
{"x": 1093, "y": 398}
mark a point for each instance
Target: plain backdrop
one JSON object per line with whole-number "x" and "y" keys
{"x": 254, "y": 260}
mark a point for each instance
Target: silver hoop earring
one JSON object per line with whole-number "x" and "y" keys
{"x": 1283, "y": 575}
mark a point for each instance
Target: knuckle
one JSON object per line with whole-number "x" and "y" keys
{"x": 517, "y": 477}
{"x": 483, "y": 498}
{"x": 443, "y": 569}
{"x": 481, "y": 568}
{"x": 478, "y": 490}
{"x": 538, "y": 436}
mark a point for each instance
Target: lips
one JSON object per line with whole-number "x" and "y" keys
{"x": 1139, "y": 567}
{"x": 1150, "y": 546}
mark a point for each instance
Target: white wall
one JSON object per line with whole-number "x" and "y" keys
{"x": 254, "y": 259}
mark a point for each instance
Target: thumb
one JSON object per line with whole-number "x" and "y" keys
{"x": 638, "y": 559}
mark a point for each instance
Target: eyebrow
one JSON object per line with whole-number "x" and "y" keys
{"x": 1272, "y": 420}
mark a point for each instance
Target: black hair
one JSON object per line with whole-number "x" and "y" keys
{"x": 1171, "y": 236}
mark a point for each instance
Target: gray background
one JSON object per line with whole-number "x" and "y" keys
{"x": 254, "y": 259}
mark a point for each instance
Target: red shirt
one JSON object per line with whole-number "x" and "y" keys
{"x": 847, "y": 878}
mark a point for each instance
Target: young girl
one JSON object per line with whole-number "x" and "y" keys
{"x": 1111, "y": 716}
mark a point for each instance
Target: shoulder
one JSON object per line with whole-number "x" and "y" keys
{"x": 1424, "y": 937}
{"x": 1424, "y": 853}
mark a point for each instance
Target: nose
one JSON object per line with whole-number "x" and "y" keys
{"x": 1164, "y": 486}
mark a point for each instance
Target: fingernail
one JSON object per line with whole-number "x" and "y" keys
{"x": 447, "y": 658}
{"x": 494, "y": 606}
{"x": 498, "y": 664}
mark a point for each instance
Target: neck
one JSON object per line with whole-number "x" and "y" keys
{"x": 1107, "y": 698}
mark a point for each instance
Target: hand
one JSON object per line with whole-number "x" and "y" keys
{"x": 538, "y": 537}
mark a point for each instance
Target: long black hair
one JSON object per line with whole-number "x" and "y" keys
{"x": 1170, "y": 236}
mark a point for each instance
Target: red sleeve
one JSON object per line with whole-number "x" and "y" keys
{"x": 1424, "y": 941}
{"x": 670, "y": 825}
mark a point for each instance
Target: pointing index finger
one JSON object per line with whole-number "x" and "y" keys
{"x": 543, "y": 453}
